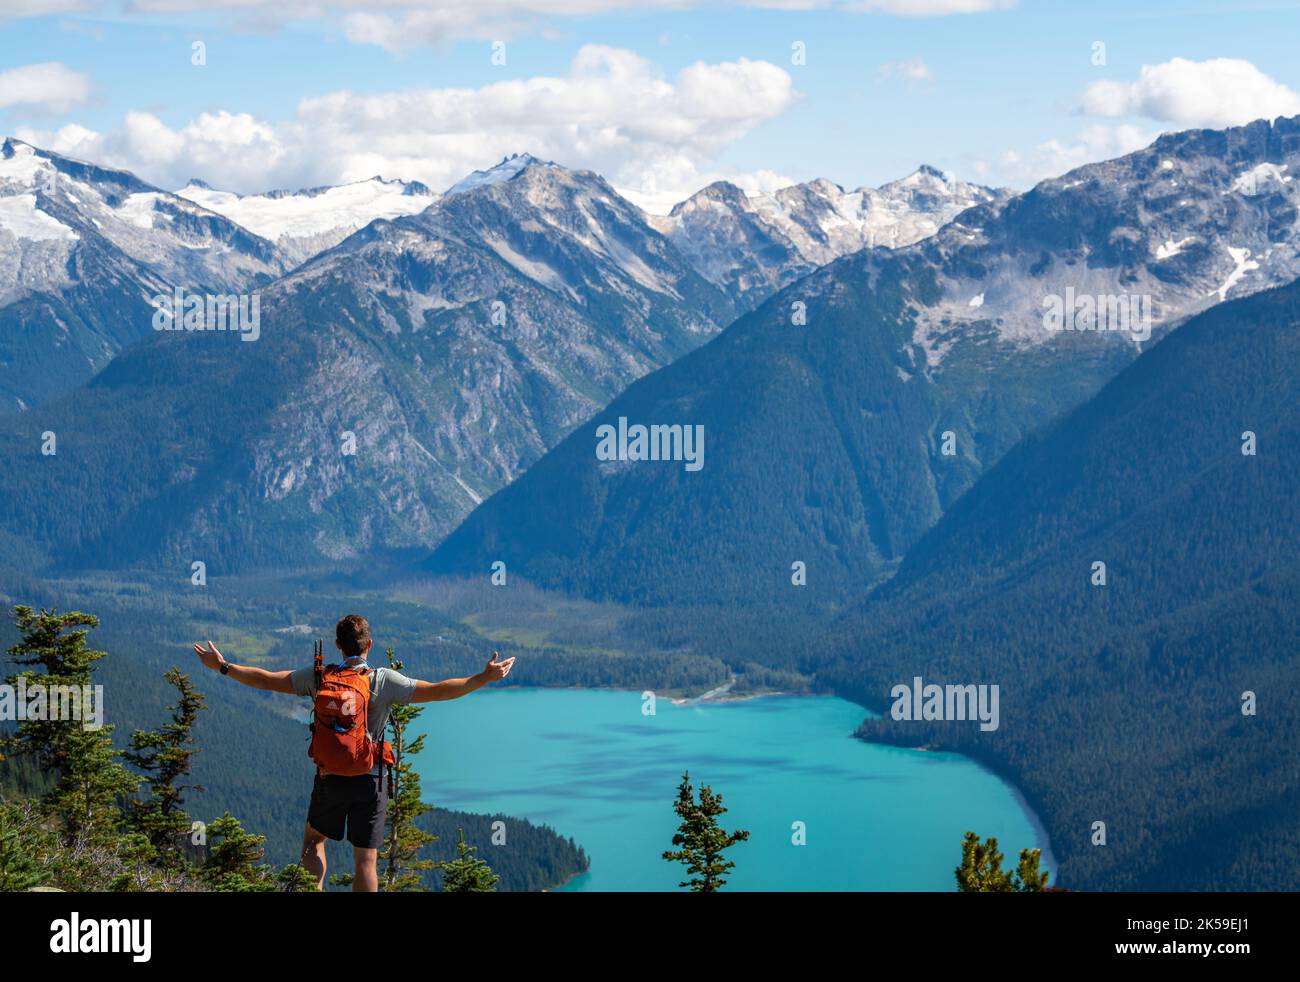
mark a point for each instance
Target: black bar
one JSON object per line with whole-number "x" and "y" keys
{"x": 982, "y": 933}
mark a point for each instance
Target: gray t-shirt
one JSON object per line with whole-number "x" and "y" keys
{"x": 387, "y": 688}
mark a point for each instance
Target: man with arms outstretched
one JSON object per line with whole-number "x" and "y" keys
{"x": 358, "y": 804}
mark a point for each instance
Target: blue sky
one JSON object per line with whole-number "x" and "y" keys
{"x": 1007, "y": 95}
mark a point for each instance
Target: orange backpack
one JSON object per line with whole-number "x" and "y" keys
{"x": 340, "y": 736}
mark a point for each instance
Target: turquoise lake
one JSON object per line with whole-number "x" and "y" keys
{"x": 590, "y": 765}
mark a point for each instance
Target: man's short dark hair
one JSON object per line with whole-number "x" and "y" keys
{"x": 352, "y": 634}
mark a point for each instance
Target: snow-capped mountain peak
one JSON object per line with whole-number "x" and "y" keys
{"x": 509, "y": 167}
{"x": 23, "y": 172}
{"x": 83, "y": 248}
{"x": 798, "y": 228}
{"x": 826, "y": 221}
{"x": 19, "y": 162}
{"x": 1136, "y": 244}
{"x": 170, "y": 236}
{"x": 719, "y": 194}
{"x": 305, "y": 222}
{"x": 924, "y": 174}
{"x": 570, "y": 231}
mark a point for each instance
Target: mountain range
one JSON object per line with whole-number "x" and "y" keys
{"x": 752, "y": 246}
{"x": 452, "y": 345}
{"x": 426, "y": 362}
{"x": 846, "y": 414}
{"x": 399, "y": 377}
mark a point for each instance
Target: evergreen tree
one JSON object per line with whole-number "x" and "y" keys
{"x": 981, "y": 869}
{"x": 21, "y": 867}
{"x": 294, "y": 879}
{"x": 137, "y": 866}
{"x": 1031, "y": 878}
{"x": 78, "y": 825}
{"x": 404, "y": 839}
{"x": 166, "y": 755}
{"x": 465, "y": 873}
{"x": 88, "y": 778}
{"x": 234, "y": 863}
{"x": 701, "y": 840}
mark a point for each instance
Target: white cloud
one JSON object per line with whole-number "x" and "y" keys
{"x": 613, "y": 113}
{"x": 401, "y": 24}
{"x": 38, "y": 8}
{"x": 929, "y": 8}
{"x": 665, "y": 187}
{"x": 48, "y": 87}
{"x": 450, "y": 21}
{"x": 911, "y": 70}
{"x": 1053, "y": 158}
{"x": 1215, "y": 93}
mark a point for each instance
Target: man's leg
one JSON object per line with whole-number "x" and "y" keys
{"x": 366, "y": 820}
{"x": 326, "y": 816}
{"x": 366, "y": 879}
{"x": 313, "y": 855}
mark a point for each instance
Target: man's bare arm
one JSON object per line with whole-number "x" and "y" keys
{"x": 254, "y": 678}
{"x": 455, "y": 688}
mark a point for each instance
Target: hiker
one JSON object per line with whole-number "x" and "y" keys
{"x": 349, "y": 791}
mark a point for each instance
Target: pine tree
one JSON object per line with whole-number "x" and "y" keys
{"x": 166, "y": 755}
{"x": 21, "y": 840}
{"x": 89, "y": 780}
{"x": 465, "y": 873}
{"x": 294, "y": 879}
{"x": 404, "y": 839}
{"x": 234, "y": 863}
{"x": 701, "y": 840}
{"x": 1031, "y": 878}
{"x": 981, "y": 869}
{"x": 79, "y": 826}
{"x": 137, "y": 866}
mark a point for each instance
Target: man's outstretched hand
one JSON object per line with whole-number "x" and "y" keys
{"x": 211, "y": 657}
{"x": 495, "y": 670}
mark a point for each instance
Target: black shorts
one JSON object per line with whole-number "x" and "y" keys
{"x": 359, "y": 803}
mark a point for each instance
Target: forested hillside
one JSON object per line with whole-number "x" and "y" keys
{"x": 1123, "y": 703}
{"x": 822, "y": 445}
